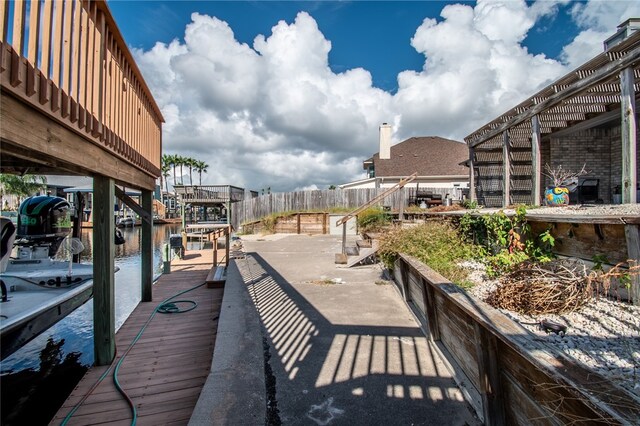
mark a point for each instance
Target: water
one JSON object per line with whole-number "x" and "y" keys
{"x": 36, "y": 379}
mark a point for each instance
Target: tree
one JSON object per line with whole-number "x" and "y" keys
{"x": 22, "y": 186}
{"x": 200, "y": 167}
{"x": 172, "y": 161}
{"x": 181, "y": 161}
{"x": 190, "y": 162}
{"x": 165, "y": 166}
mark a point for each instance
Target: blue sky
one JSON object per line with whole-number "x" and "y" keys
{"x": 370, "y": 34}
{"x": 290, "y": 94}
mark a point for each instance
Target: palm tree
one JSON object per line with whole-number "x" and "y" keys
{"x": 191, "y": 162}
{"x": 165, "y": 166}
{"x": 200, "y": 167}
{"x": 172, "y": 163}
{"x": 181, "y": 161}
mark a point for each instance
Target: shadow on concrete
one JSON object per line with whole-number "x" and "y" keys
{"x": 353, "y": 374}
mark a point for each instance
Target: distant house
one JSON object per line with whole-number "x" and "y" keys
{"x": 439, "y": 163}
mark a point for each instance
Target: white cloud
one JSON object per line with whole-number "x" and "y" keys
{"x": 599, "y": 20}
{"x": 275, "y": 115}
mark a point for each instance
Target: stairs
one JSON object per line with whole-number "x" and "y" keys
{"x": 363, "y": 251}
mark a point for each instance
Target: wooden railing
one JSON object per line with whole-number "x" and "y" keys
{"x": 67, "y": 59}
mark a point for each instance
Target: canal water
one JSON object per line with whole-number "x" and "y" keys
{"x": 35, "y": 380}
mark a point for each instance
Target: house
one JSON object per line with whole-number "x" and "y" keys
{"x": 587, "y": 117}
{"x": 439, "y": 163}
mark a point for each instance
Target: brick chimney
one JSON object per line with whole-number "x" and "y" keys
{"x": 385, "y": 141}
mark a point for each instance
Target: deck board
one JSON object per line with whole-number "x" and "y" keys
{"x": 164, "y": 372}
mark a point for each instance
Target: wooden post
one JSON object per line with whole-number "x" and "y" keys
{"x": 536, "y": 170}
{"x": 227, "y": 245}
{"x": 146, "y": 252}
{"x": 215, "y": 250}
{"x": 632, "y": 234}
{"x": 489, "y": 376}
{"x": 506, "y": 173}
{"x": 104, "y": 342}
{"x": 431, "y": 308}
{"x": 401, "y": 207}
{"x": 472, "y": 175}
{"x": 629, "y": 142}
{"x": 298, "y": 222}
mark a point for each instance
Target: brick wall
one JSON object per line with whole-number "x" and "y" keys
{"x": 600, "y": 149}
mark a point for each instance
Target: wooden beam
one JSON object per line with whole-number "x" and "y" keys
{"x": 506, "y": 171}
{"x": 629, "y": 138}
{"x": 146, "y": 252}
{"x": 536, "y": 172}
{"x": 575, "y": 89}
{"x": 377, "y": 198}
{"x": 145, "y": 214}
{"x": 472, "y": 174}
{"x": 104, "y": 342}
{"x": 24, "y": 128}
{"x": 632, "y": 234}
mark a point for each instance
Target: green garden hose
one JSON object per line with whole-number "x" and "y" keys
{"x": 168, "y": 306}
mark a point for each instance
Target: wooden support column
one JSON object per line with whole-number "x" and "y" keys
{"x": 146, "y": 252}
{"x": 632, "y": 234}
{"x": 227, "y": 239}
{"x": 506, "y": 173}
{"x": 472, "y": 174}
{"x": 536, "y": 170}
{"x": 629, "y": 138}
{"x": 104, "y": 342}
{"x": 431, "y": 308}
{"x": 489, "y": 376}
{"x": 401, "y": 206}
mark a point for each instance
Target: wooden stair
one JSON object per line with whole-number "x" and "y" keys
{"x": 362, "y": 251}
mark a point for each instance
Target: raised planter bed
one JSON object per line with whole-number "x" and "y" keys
{"x": 506, "y": 382}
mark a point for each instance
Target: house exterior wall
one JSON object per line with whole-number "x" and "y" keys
{"x": 599, "y": 148}
{"x": 388, "y": 182}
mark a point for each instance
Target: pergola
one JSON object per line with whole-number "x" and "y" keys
{"x": 506, "y": 154}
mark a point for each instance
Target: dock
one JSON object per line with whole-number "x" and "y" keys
{"x": 166, "y": 369}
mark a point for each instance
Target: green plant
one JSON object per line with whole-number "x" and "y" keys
{"x": 373, "y": 219}
{"x": 504, "y": 261}
{"x": 469, "y": 204}
{"x": 598, "y": 261}
{"x": 437, "y": 244}
{"x": 507, "y": 240}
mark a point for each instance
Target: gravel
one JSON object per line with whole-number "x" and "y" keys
{"x": 613, "y": 210}
{"x": 603, "y": 336}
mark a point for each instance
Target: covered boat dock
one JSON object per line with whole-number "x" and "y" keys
{"x": 74, "y": 102}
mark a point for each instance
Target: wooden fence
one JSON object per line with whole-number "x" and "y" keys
{"x": 250, "y": 210}
{"x": 506, "y": 381}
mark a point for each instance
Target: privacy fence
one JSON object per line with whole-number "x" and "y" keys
{"x": 252, "y": 209}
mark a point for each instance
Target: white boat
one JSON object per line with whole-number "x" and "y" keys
{"x": 126, "y": 221}
{"x": 37, "y": 291}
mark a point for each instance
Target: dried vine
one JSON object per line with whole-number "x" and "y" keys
{"x": 555, "y": 287}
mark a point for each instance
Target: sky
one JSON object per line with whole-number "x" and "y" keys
{"x": 289, "y": 95}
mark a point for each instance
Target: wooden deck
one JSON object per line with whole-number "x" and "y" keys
{"x": 164, "y": 372}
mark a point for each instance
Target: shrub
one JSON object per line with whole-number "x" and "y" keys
{"x": 373, "y": 219}
{"x": 437, "y": 244}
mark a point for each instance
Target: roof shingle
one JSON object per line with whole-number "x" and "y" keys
{"x": 427, "y": 155}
